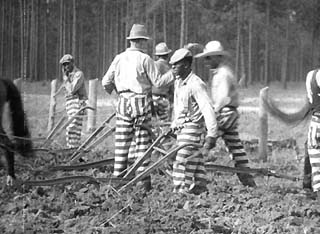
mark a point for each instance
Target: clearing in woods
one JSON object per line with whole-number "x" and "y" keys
{"x": 275, "y": 206}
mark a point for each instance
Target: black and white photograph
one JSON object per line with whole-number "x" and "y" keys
{"x": 160, "y": 116}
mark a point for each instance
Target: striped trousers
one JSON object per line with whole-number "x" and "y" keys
{"x": 73, "y": 130}
{"x": 314, "y": 151}
{"x": 228, "y": 125}
{"x": 230, "y": 135}
{"x": 161, "y": 107}
{"x": 132, "y": 112}
{"x": 235, "y": 148}
{"x": 187, "y": 173}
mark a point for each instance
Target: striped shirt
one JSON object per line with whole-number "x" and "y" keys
{"x": 312, "y": 84}
{"x": 135, "y": 71}
{"x": 191, "y": 101}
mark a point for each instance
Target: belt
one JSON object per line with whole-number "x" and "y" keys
{"x": 316, "y": 114}
{"x": 160, "y": 95}
{"x": 125, "y": 91}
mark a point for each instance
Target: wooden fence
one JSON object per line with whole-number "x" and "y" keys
{"x": 92, "y": 96}
{"x": 91, "y": 120}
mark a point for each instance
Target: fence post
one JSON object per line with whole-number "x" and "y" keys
{"x": 18, "y": 83}
{"x": 263, "y": 130}
{"x": 52, "y": 107}
{"x": 92, "y": 119}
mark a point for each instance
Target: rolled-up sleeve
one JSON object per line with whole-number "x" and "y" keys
{"x": 201, "y": 96}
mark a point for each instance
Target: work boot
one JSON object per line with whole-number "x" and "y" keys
{"x": 306, "y": 183}
{"x": 246, "y": 179}
{"x": 307, "y": 170}
{"x": 198, "y": 189}
{"x": 145, "y": 184}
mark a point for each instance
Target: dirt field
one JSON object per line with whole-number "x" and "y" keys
{"x": 276, "y": 206}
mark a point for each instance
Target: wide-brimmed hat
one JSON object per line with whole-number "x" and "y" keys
{"x": 67, "y": 58}
{"x": 180, "y": 54}
{"x": 212, "y": 48}
{"x": 162, "y": 49}
{"x": 138, "y": 31}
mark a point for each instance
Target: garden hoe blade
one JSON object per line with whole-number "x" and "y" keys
{"x": 148, "y": 152}
{"x": 72, "y": 179}
{"x": 93, "y": 144}
{"x": 247, "y": 170}
{"x": 58, "y": 132}
{"x": 54, "y": 130}
{"x": 92, "y": 136}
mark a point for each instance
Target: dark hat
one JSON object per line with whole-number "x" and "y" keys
{"x": 138, "y": 31}
{"x": 180, "y": 54}
{"x": 162, "y": 49}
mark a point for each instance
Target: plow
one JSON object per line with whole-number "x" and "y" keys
{"x": 129, "y": 177}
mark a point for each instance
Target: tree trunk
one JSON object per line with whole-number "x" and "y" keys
{"x": 301, "y": 53}
{"x": 238, "y": 40}
{"x": 37, "y": 35}
{"x": 2, "y": 39}
{"x": 154, "y": 36}
{"x": 26, "y": 39}
{"x": 74, "y": 28}
{"x": 104, "y": 36}
{"x": 80, "y": 50}
{"x": 186, "y": 24}
{"x": 164, "y": 18}
{"x": 31, "y": 41}
{"x": 314, "y": 36}
{"x": 98, "y": 44}
{"x": 45, "y": 62}
{"x": 128, "y": 21}
{"x": 11, "y": 41}
{"x": 182, "y": 25}
{"x": 284, "y": 69}
{"x": 242, "y": 81}
{"x": 116, "y": 35}
{"x": 250, "y": 67}
{"x": 60, "y": 54}
{"x": 266, "y": 59}
{"x": 64, "y": 26}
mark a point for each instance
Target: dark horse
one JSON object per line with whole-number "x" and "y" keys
{"x": 21, "y": 136}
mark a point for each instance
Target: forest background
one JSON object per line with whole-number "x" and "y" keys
{"x": 270, "y": 40}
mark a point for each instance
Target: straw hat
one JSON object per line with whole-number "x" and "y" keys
{"x": 212, "y": 48}
{"x": 162, "y": 49}
{"x": 67, "y": 58}
{"x": 138, "y": 31}
{"x": 180, "y": 54}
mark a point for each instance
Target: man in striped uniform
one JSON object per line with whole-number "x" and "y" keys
{"x": 313, "y": 144}
{"x": 76, "y": 95}
{"x": 133, "y": 73}
{"x": 193, "y": 110}
{"x": 162, "y": 97}
{"x": 225, "y": 97}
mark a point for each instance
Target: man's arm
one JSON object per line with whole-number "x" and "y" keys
{"x": 222, "y": 90}
{"x": 155, "y": 76}
{"x": 108, "y": 78}
{"x": 77, "y": 82}
{"x": 206, "y": 107}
